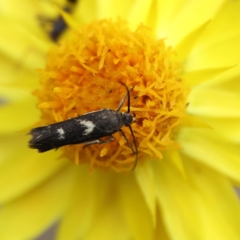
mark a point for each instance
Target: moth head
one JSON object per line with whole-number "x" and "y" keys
{"x": 128, "y": 118}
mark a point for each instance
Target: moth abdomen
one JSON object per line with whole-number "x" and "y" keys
{"x": 42, "y": 139}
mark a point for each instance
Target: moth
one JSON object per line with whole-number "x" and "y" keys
{"x": 86, "y": 129}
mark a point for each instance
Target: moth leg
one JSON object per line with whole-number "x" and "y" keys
{"x": 99, "y": 141}
{"x": 128, "y": 143}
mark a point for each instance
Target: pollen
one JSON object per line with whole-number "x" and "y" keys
{"x": 82, "y": 74}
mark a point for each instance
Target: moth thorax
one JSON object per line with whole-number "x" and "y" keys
{"x": 127, "y": 118}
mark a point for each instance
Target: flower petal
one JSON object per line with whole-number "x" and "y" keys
{"x": 17, "y": 75}
{"x": 29, "y": 215}
{"x": 17, "y": 102}
{"x": 187, "y": 44}
{"x": 219, "y": 45}
{"x": 144, "y": 177}
{"x": 86, "y": 11}
{"x": 23, "y": 169}
{"x": 160, "y": 229}
{"x": 228, "y": 128}
{"x": 135, "y": 210}
{"x": 194, "y": 78}
{"x": 206, "y": 196}
{"x": 179, "y": 19}
{"x": 214, "y": 102}
{"x": 88, "y": 195}
{"x": 218, "y": 204}
{"x": 10, "y": 10}
{"x": 27, "y": 48}
{"x": 177, "y": 202}
{"x": 111, "y": 215}
{"x": 139, "y": 12}
{"x": 209, "y": 148}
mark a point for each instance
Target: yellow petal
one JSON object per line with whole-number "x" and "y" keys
{"x": 228, "y": 128}
{"x": 111, "y": 215}
{"x": 209, "y": 148}
{"x": 19, "y": 111}
{"x": 26, "y": 47}
{"x": 220, "y": 55}
{"x": 177, "y": 161}
{"x": 199, "y": 76}
{"x": 205, "y": 207}
{"x": 29, "y": 215}
{"x": 219, "y": 45}
{"x": 17, "y": 75}
{"x": 180, "y": 18}
{"x": 139, "y": 12}
{"x": 152, "y": 16}
{"x": 188, "y": 42}
{"x": 144, "y": 177}
{"x": 218, "y": 203}
{"x": 214, "y": 102}
{"x": 135, "y": 210}
{"x": 194, "y": 122}
{"x": 166, "y": 14}
{"x": 226, "y": 81}
{"x": 160, "y": 229}
{"x": 89, "y": 193}
{"x": 15, "y": 94}
{"x": 111, "y": 9}
{"x": 10, "y": 10}
{"x": 87, "y": 11}
{"x": 177, "y": 202}
{"x": 22, "y": 168}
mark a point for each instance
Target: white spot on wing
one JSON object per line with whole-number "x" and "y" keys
{"x": 89, "y": 126}
{"x": 38, "y": 136}
{"x": 61, "y": 133}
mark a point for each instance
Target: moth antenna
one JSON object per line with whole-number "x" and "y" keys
{"x": 127, "y": 95}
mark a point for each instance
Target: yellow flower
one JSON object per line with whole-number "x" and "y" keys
{"x": 183, "y": 190}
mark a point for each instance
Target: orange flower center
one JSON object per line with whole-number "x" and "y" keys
{"x": 82, "y": 75}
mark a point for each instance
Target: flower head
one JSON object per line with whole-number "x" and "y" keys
{"x": 82, "y": 75}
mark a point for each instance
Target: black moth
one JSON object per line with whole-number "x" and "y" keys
{"x": 87, "y": 129}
